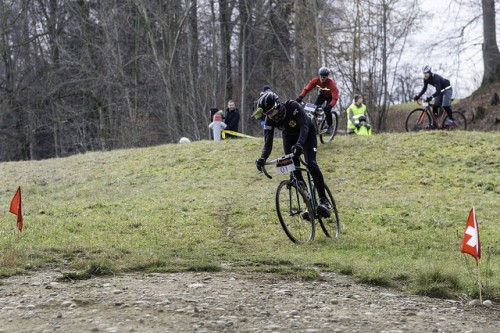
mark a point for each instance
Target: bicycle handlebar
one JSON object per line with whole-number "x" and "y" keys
{"x": 303, "y": 104}
{"x": 291, "y": 155}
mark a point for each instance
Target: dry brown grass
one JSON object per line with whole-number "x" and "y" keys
{"x": 482, "y": 115}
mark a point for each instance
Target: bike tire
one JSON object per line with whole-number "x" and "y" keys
{"x": 331, "y": 225}
{"x": 459, "y": 119}
{"x": 326, "y": 138}
{"x": 291, "y": 203}
{"x": 418, "y": 120}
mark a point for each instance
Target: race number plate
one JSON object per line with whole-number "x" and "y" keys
{"x": 309, "y": 107}
{"x": 284, "y": 165}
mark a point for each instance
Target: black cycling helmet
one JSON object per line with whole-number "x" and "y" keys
{"x": 268, "y": 101}
{"x": 324, "y": 71}
{"x": 427, "y": 69}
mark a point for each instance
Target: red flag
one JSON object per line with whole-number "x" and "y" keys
{"x": 16, "y": 208}
{"x": 470, "y": 242}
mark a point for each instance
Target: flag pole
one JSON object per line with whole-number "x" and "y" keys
{"x": 479, "y": 283}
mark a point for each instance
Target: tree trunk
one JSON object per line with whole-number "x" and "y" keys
{"x": 491, "y": 54}
{"x": 225, "y": 27}
{"x": 383, "y": 106}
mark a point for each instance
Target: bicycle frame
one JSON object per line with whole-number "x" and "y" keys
{"x": 310, "y": 185}
{"x": 318, "y": 117}
{"x": 316, "y": 114}
{"x": 434, "y": 120}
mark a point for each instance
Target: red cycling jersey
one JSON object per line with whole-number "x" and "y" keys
{"x": 327, "y": 89}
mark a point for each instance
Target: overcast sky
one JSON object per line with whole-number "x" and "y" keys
{"x": 464, "y": 67}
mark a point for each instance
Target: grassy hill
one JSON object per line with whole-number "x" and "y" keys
{"x": 403, "y": 199}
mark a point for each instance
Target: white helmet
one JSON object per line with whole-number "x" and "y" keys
{"x": 427, "y": 69}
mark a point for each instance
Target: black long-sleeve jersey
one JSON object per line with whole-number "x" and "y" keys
{"x": 438, "y": 82}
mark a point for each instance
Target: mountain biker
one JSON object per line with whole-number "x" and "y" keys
{"x": 328, "y": 92}
{"x": 299, "y": 136}
{"x": 442, "y": 95}
{"x": 357, "y": 117}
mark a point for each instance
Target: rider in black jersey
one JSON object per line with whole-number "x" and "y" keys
{"x": 442, "y": 95}
{"x": 299, "y": 136}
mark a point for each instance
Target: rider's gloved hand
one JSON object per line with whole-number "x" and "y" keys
{"x": 428, "y": 99}
{"x": 327, "y": 108}
{"x": 357, "y": 126}
{"x": 260, "y": 163}
{"x": 416, "y": 98}
{"x": 297, "y": 150}
{"x": 299, "y": 99}
{"x": 368, "y": 126}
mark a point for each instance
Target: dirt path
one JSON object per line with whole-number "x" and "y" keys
{"x": 226, "y": 302}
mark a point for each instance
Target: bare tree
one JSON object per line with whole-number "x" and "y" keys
{"x": 86, "y": 75}
{"x": 225, "y": 13}
{"x": 491, "y": 54}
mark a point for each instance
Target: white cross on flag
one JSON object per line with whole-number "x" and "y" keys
{"x": 470, "y": 242}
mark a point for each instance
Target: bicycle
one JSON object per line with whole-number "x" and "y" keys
{"x": 296, "y": 203}
{"x": 318, "y": 117}
{"x": 425, "y": 119}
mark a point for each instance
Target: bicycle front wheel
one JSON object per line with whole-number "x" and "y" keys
{"x": 460, "y": 123}
{"x": 291, "y": 205}
{"x": 331, "y": 225}
{"x": 328, "y": 137}
{"x": 418, "y": 120}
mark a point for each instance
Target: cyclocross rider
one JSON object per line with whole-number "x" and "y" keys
{"x": 328, "y": 92}
{"x": 442, "y": 95}
{"x": 299, "y": 136}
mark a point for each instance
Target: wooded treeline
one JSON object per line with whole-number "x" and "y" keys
{"x": 84, "y": 75}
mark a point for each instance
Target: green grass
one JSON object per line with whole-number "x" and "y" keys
{"x": 403, "y": 199}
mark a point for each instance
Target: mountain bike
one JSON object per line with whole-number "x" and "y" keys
{"x": 425, "y": 119}
{"x": 296, "y": 203}
{"x": 318, "y": 117}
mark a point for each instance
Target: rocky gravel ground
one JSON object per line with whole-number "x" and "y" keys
{"x": 227, "y": 302}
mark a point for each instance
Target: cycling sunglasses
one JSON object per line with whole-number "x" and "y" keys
{"x": 271, "y": 110}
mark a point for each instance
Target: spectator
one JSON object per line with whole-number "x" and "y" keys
{"x": 213, "y": 111}
{"x": 266, "y": 89}
{"x": 232, "y": 118}
{"x": 358, "y": 121}
{"x": 328, "y": 93}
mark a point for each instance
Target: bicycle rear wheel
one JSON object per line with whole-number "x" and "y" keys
{"x": 291, "y": 204}
{"x": 460, "y": 123}
{"x": 323, "y": 137}
{"x": 331, "y": 225}
{"x": 418, "y": 120}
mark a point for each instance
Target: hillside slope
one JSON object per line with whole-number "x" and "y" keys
{"x": 403, "y": 201}
{"x": 483, "y": 108}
